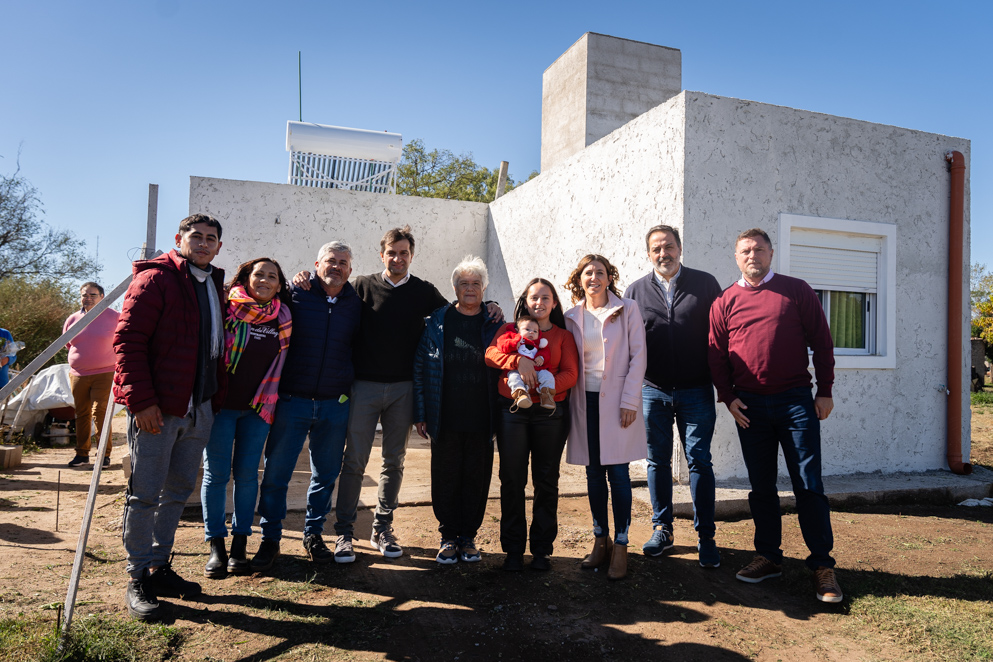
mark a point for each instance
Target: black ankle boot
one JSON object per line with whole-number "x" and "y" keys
{"x": 266, "y": 556}
{"x": 217, "y": 564}
{"x": 238, "y": 562}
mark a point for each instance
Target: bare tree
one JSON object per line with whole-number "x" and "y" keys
{"x": 29, "y": 247}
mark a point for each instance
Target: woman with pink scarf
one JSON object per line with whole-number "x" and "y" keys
{"x": 257, "y": 329}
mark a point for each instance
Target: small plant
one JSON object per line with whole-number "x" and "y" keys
{"x": 983, "y": 398}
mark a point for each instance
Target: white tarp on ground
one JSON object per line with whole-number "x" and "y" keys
{"x": 48, "y": 389}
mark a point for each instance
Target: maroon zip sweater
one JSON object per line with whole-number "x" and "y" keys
{"x": 759, "y": 338}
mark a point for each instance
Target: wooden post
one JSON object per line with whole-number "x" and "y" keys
{"x": 84, "y": 529}
{"x": 502, "y": 180}
{"x": 153, "y": 214}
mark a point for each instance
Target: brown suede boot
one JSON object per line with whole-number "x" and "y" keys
{"x": 521, "y": 400}
{"x": 599, "y": 555}
{"x": 618, "y": 563}
{"x": 548, "y": 398}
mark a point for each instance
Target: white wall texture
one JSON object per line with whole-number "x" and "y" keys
{"x": 601, "y": 200}
{"x": 444, "y": 230}
{"x": 748, "y": 162}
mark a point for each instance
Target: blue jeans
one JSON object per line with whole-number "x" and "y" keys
{"x": 693, "y": 412}
{"x": 241, "y": 434}
{"x": 326, "y": 422}
{"x": 599, "y": 475}
{"x": 788, "y": 420}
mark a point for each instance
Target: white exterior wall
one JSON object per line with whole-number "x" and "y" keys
{"x": 601, "y": 200}
{"x": 748, "y": 162}
{"x": 444, "y": 230}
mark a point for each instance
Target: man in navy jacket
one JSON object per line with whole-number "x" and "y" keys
{"x": 675, "y": 304}
{"x": 313, "y": 400}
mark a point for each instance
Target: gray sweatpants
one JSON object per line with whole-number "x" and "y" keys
{"x": 392, "y": 405}
{"x": 164, "y": 470}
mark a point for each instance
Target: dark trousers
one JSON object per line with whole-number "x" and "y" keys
{"x": 461, "y": 466}
{"x": 786, "y": 420}
{"x": 598, "y": 476}
{"x": 530, "y": 435}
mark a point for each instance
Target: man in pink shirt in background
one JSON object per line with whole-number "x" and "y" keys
{"x": 91, "y": 370}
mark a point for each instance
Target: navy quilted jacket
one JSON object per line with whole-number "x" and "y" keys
{"x": 319, "y": 363}
{"x": 429, "y": 371}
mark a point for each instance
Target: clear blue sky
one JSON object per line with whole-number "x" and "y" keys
{"x": 104, "y": 98}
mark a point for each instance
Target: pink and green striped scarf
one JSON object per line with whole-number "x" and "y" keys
{"x": 244, "y": 311}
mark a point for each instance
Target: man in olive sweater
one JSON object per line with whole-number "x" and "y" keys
{"x": 760, "y": 329}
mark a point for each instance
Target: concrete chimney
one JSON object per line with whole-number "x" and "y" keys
{"x": 600, "y": 84}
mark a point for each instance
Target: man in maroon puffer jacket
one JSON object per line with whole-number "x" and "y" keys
{"x": 170, "y": 375}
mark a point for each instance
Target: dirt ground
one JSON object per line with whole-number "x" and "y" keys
{"x": 413, "y": 609}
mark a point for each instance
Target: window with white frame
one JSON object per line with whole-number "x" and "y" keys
{"x": 852, "y": 267}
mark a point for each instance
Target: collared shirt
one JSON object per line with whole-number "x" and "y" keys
{"x": 744, "y": 283}
{"x": 668, "y": 286}
{"x": 386, "y": 277}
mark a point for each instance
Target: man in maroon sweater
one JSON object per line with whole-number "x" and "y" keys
{"x": 760, "y": 329}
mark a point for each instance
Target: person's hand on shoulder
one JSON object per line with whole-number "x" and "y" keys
{"x": 302, "y": 280}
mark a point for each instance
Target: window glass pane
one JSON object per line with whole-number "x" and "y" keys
{"x": 847, "y": 319}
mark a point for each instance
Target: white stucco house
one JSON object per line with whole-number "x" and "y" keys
{"x": 860, "y": 210}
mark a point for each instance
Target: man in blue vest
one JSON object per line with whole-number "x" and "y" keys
{"x": 313, "y": 401}
{"x": 675, "y": 304}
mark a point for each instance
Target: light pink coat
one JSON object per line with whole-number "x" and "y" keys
{"x": 624, "y": 366}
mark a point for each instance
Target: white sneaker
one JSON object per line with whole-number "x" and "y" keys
{"x": 386, "y": 543}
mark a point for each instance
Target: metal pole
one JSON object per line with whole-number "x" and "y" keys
{"x": 300, "y": 82}
{"x": 501, "y": 180}
{"x": 84, "y": 530}
{"x": 153, "y": 213}
{"x": 66, "y": 337}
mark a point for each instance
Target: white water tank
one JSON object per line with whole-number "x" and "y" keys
{"x": 343, "y": 142}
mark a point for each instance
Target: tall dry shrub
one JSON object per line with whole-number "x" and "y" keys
{"x": 34, "y": 311}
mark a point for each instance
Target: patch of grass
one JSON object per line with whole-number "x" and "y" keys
{"x": 92, "y": 638}
{"x": 982, "y": 399}
{"x": 934, "y": 618}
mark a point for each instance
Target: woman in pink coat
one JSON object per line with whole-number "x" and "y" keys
{"x": 608, "y": 428}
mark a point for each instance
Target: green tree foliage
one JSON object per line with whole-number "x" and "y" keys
{"x": 442, "y": 174}
{"x": 981, "y": 291}
{"x": 34, "y": 311}
{"x": 29, "y": 247}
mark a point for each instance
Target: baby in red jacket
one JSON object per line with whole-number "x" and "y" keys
{"x": 527, "y": 342}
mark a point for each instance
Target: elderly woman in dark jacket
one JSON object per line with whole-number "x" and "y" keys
{"x": 455, "y": 398}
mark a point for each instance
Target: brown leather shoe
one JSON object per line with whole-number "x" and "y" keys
{"x": 618, "y": 562}
{"x": 759, "y": 570}
{"x": 828, "y": 589}
{"x": 521, "y": 400}
{"x": 548, "y": 398}
{"x": 599, "y": 555}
